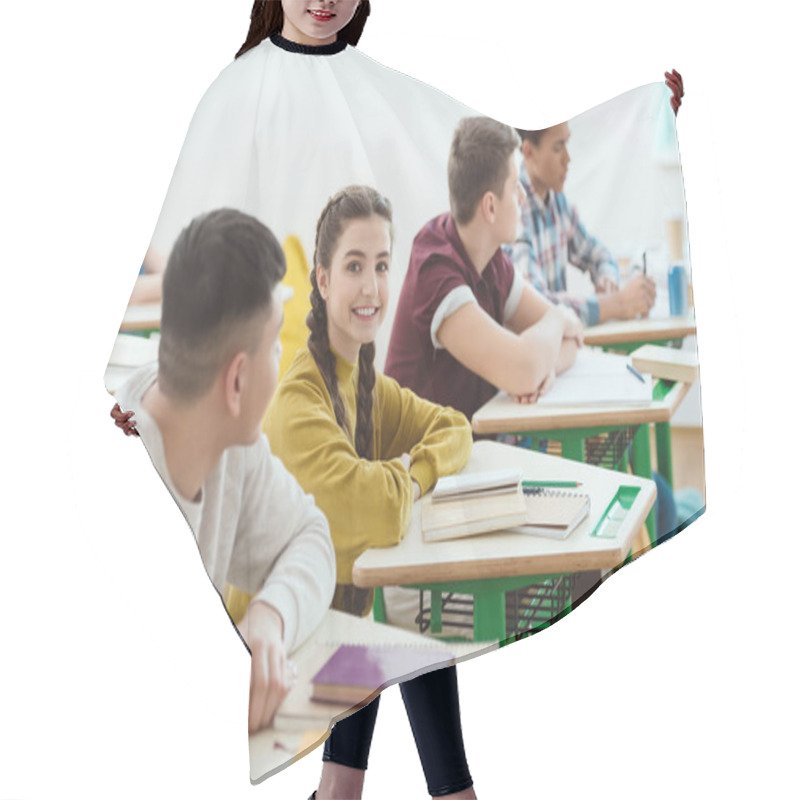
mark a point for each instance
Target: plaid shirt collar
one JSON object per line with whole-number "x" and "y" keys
{"x": 531, "y": 195}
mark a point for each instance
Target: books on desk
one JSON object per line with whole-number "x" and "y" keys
{"x": 467, "y": 505}
{"x": 474, "y": 484}
{"x": 554, "y": 514}
{"x": 598, "y": 378}
{"x": 354, "y": 671}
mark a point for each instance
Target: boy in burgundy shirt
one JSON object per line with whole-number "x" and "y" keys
{"x": 466, "y": 322}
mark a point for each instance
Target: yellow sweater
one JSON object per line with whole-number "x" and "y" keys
{"x": 367, "y": 503}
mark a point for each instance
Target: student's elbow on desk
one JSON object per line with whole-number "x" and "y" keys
{"x": 514, "y": 363}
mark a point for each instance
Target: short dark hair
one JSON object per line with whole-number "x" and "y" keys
{"x": 534, "y": 137}
{"x": 478, "y": 163}
{"x": 218, "y": 288}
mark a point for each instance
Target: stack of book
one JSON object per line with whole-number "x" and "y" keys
{"x": 467, "y": 505}
{"x": 482, "y": 502}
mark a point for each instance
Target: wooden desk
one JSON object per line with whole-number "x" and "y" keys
{"x": 141, "y": 318}
{"x": 490, "y": 565}
{"x": 627, "y": 335}
{"x": 573, "y": 425}
{"x": 502, "y": 414}
{"x": 666, "y": 363}
{"x": 302, "y": 725}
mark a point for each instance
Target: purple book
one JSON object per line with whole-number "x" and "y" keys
{"x": 355, "y": 672}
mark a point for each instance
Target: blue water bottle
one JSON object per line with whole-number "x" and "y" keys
{"x": 678, "y": 291}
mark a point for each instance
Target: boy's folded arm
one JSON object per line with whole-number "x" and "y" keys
{"x": 566, "y": 356}
{"x": 283, "y": 551}
{"x": 515, "y": 363}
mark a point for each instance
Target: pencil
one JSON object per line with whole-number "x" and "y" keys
{"x": 551, "y": 484}
{"x": 635, "y": 372}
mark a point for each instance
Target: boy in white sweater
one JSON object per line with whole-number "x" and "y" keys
{"x": 199, "y": 414}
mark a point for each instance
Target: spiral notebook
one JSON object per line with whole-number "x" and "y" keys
{"x": 553, "y": 513}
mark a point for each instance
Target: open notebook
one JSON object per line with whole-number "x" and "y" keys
{"x": 598, "y": 378}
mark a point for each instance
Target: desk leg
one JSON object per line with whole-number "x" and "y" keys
{"x": 436, "y": 611}
{"x": 664, "y": 451}
{"x": 489, "y": 616}
{"x": 573, "y": 448}
{"x": 378, "y": 606}
{"x": 642, "y": 466}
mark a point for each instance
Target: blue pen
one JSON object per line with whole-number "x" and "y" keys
{"x": 635, "y": 372}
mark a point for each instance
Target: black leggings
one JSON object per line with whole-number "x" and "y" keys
{"x": 433, "y": 711}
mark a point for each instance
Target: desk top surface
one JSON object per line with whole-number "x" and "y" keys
{"x": 640, "y": 330}
{"x": 300, "y": 724}
{"x": 505, "y": 555}
{"x": 141, "y": 317}
{"x": 502, "y": 414}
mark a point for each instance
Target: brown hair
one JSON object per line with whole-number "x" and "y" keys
{"x": 266, "y": 19}
{"x": 218, "y": 289}
{"x": 478, "y": 163}
{"x": 354, "y": 202}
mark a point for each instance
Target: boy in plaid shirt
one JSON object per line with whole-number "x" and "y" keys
{"x": 553, "y": 235}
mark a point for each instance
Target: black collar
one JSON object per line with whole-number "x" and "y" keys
{"x": 307, "y": 49}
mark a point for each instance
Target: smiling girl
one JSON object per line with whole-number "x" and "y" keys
{"x": 307, "y": 22}
{"x": 366, "y": 449}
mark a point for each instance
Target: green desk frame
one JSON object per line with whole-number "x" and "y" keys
{"x": 489, "y": 595}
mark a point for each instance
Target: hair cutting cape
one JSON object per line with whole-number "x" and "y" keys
{"x": 284, "y": 128}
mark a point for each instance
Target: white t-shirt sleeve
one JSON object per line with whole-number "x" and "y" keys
{"x": 457, "y": 298}
{"x": 514, "y": 296}
{"x": 283, "y": 551}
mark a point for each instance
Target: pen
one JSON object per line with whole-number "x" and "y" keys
{"x": 635, "y": 372}
{"x": 644, "y": 261}
{"x": 551, "y": 484}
